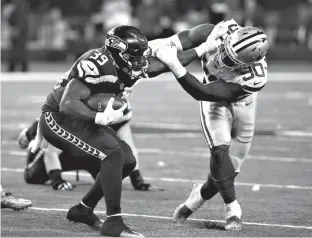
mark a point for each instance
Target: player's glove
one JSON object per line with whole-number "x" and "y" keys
{"x": 109, "y": 115}
{"x": 63, "y": 186}
{"x": 39, "y": 141}
{"x": 168, "y": 55}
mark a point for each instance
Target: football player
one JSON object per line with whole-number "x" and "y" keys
{"x": 50, "y": 163}
{"x": 68, "y": 124}
{"x": 235, "y": 71}
{"x": 15, "y": 203}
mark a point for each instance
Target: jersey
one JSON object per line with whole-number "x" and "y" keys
{"x": 96, "y": 69}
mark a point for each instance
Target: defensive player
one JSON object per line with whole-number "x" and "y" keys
{"x": 68, "y": 124}
{"x": 235, "y": 71}
{"x": 15, "y": 203}
{"x": 48, "y": 164}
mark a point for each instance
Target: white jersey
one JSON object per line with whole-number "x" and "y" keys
{"x": 251, "y": 79}
{"x": 232, "y": 123}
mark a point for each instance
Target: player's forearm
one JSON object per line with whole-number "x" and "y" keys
{"x": 77, "y": 108}
{"x": 157, "y": 67}
{"x": 186, "y": 57}
{"x": 197, "y": 90}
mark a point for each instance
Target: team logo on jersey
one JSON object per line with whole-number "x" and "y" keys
{"x": 58, "y": 130}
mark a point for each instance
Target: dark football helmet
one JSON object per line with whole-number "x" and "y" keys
{"x": 129, "y": 48}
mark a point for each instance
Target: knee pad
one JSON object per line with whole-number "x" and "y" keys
{"x": 221, "y": 165}
{"x": 127, "y": 169}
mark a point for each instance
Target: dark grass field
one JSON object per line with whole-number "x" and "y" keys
{"x": 274, "y": 187}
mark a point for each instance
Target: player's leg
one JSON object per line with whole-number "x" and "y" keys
{"x": 42, "y": 166}
{"x": 124, "y": 132}
{"x": 242, "y": 134}
{"x": 15, "y": 203}
{"x": 81, "y": 139}
{"x": 216, "y": 123}
{"x": 27, "y": 135}
{"x": 35, "y": 172}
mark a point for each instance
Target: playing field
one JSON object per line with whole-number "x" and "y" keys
{"x": 274, "y": 186}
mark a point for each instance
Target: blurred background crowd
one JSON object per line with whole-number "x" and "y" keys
{"x": 63, "y": 29}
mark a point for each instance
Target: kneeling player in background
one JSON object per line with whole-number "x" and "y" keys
{"x": 15, "y": 203}
{"x": 48, "y": 164}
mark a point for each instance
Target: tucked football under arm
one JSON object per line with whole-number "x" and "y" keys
{"x": 71, "y": 102}
{"x": 214, "y": 92}
{"x": 157, "y": 67}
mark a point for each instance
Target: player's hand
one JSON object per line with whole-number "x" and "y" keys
{"x": 126, "y": 93}
{"x": 39, "y": 142}
{"x": 64, "y": 186}
{"x": 167, "y": 54}
{"x": 109, "y": 115}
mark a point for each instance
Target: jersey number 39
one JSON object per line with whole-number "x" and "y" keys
{"x": 100, "y": 58}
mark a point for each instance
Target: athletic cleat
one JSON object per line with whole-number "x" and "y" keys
{"x": 233, "y": 214}
{"x": 23, "y": 140}
{"x": 85, "y": 215}
{"x": 8, "y": 201}
{"x": 233, "y": 223}
{"x": 192, "y": 203}
{"x": 115, "y": 227}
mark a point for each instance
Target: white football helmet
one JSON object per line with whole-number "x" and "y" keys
{"x": 243, "y": 47}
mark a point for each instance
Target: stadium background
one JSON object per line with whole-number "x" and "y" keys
{"x": 275, "y": 185}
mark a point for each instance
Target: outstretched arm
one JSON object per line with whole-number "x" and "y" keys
{"x": 213, "y": 92}
{"x": 186, "y": 39}
{"x": 157, "y": 67}
{"x": 192, "y": 38}
{"x": 216, "y": 91}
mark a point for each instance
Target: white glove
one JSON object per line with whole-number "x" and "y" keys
{"x": 222, "y": 28}
{"x": 39, "y": 141}
{"x": 126, "y": 93}
{"x": 168, "y": 55}
{"x": 109, "y": 115}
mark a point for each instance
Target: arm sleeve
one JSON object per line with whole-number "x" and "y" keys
{"x": 214, "y": 92}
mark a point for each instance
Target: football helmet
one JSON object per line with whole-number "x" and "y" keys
{"x": 129, "y": 49}
{"x": 243, "y": 47}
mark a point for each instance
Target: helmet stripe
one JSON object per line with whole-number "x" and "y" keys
{"x": 246, "y": 46}
{"x": 246, "y": 38}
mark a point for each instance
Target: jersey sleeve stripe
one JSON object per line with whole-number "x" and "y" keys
{"x": 251, "y": 89}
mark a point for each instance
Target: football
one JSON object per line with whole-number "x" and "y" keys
{"x": 98, "y": 102}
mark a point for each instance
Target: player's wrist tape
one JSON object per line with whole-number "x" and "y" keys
{"x": 176, "y": 40}
{"x": 201, "y": 50}
{"x": 177, "y": 69}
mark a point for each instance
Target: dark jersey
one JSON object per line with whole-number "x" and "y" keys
{"x": 96, "y": 69}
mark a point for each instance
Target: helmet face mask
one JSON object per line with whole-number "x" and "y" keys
{"x": 129, "y": 49}
{"x": 242, "y": 48}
